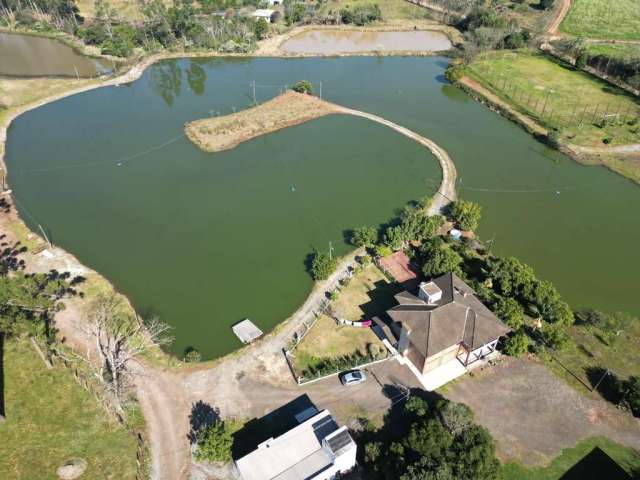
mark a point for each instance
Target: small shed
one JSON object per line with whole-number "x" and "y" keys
{"x": 246, "y": 331}
{"x": 263, "y": 13}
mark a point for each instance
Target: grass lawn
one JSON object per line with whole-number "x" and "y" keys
{"x": 594, "y": 350}
{"x": 366, "y": 295}
{"x": 50, "y": 419}
{"x": 606, "y": 19}
{"x": 625, "y": 52}
{"x": 593, "y": 463}
{"x": 559, "y": 97}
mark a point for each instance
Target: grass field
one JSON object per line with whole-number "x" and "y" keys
{"x": 606, "y": 19}
{"x": 366, "y": 295}
{"x": 50, "y": 419}
{"x": 614, "y": 51}
{"x": 391, "y": 9}
{"x": 583, "y": 454}
{"x": 594, "y": 349}
{"x": 585, "y": 110}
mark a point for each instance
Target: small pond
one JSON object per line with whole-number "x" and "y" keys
{"x": 29, "y": 56}
{"x": 330, "y": 42}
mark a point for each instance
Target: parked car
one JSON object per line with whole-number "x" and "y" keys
{"x": 354, "y": 377}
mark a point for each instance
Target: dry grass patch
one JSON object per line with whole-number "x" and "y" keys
{"x": 288, "y": 109}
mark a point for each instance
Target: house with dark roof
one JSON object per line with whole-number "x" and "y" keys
{"x": 442, "y": 328}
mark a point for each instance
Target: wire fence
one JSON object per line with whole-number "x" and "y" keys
{"x": 556, "y": 107}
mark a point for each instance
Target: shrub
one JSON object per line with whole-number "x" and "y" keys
{"x": 466, "y": 214}
{"x": 322, "y": 266}
{"x": 631, "y": 394}
{"x": 214, "y": 443}
{"x": 192, "y": 355}
{"x": 553, "y": 138}
{"x": 547, "y": 4}
{"x": 509, "y": 310}
{"x": 364, "y": 236}
{"x": 303, "y": 86}
{"x": 517, "y": 344}
{"x": 383, "y": 250}
{"x": 453, "y": 73}
{"x": 261, "y": 28}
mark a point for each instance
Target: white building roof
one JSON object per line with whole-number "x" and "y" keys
{"x": 263, "y": 13}
{"x": 295, "y": 455}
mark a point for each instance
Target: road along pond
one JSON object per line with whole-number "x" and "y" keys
{"x": 31, "y": 56}
{"x": 333, "y": 42}
{"x": 206, "y": 239}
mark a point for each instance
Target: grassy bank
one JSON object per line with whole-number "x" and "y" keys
{"x": 51, "y": 419}
{"x": 605, "y": 19}
{"x": 586, "y": 111}
{"x": 617, "y": 51}
{"x": 565, "y": 466}
{"x": 391, "y": 9}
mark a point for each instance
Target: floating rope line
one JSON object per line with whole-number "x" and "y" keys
{"x": 119, "y": 162}
{"x": 556, "y": 190}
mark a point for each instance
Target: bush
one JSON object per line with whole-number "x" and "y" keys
{"x": 191, "y": 355}
{"x": 261, "y": 28}
{"x": 547, "y": 4}
{"x": 553, "y": 138}
{"x": 465, "y": 214}
{"x": 510, "y": 311}
{"x": 631, "y": 394}
{"x": 214, "y": 443}
{"x": 517, "y": 344}
{"x": 361, "y": 15}
{"x": 453, "y": 73}
{"x": 364, "y": 236}
{"x": 322, "y": 266}
{"x": 555, "y": 336}
{"x": 303, "y": 86}
{"x": 382, "y": 250}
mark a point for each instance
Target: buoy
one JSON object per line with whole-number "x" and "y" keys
{"x": 293, "y": 189}
{"x": 119, "y": 164}
{"x": 557, "y": 192}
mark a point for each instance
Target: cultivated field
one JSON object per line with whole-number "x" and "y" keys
{"x": 606, "y": 19}
{"x": 585, "y": 110}
{"x": 51, "y": 419}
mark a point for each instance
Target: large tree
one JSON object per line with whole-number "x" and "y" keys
{"x": 466, "y": 214}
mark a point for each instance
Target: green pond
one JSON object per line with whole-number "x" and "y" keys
{"x": 205, "y": 240}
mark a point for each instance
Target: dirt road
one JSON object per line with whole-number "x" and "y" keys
{"x": 554, "y": 25}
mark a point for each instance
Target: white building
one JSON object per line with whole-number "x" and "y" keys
{"x": 265, "y": 13}
{"x": 316, "y": 449}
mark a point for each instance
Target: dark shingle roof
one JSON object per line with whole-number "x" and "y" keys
{"x": 458, "y": 317}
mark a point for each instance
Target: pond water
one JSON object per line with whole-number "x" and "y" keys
{"x": 30, "y": 56}
{"x": 204, "y": 240}
{"x": 330, "y": 42}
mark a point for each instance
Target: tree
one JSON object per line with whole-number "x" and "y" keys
{"x": 261, "y": 28}
{"x": 512, "y": 277}
{"x": 456, "y": 417}
{"x": 120, "y": 337}
{"x": 517, "y": 344}
{"x": 555, "y": 336}
{"x": 475, "y": 455}
{"x": 214, "y": 442}
{"x": 440, "y": 261}
{"x": 417, "y": 224}
{"x": 303, "y": 86}
{"x": 395, "y": 237}
{"x": 631, "y": 394}
{"x": 466, "y": 214}
{"x": 364, "y": 236}
{"x": 510, "y": 311}
{"x": 322, "y": 266}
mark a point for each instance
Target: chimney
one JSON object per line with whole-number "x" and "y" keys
{"x": 429, "y": 292}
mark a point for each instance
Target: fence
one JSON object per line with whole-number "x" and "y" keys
{"x": 545, "y": 105}
{"x": 84, "y": 379}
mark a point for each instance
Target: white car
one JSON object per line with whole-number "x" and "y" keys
{"x": 354, "y": 377}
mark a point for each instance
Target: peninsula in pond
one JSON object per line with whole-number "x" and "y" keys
{"x": 290, "y": 108}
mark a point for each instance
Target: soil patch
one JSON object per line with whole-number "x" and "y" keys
{"x": 288, "y": 109}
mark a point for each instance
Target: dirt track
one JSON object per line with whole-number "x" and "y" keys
{"x": 554, "y": 26}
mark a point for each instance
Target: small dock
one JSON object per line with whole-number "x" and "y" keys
{"x": 246, "y": 331}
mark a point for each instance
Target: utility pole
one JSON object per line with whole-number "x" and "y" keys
{"x": 253, "y": 85}
{"x": 320, "y": 89}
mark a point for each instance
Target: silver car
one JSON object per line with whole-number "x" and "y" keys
{"x": 354, "y": 377}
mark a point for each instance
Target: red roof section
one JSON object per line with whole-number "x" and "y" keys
{"x": 398, "y": 266}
